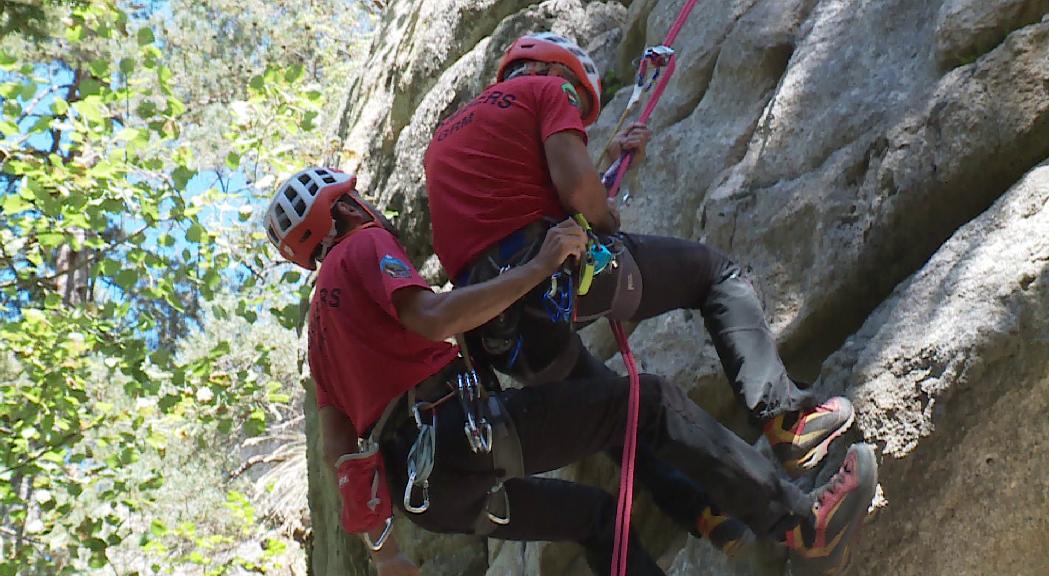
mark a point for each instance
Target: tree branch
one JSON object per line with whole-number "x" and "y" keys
{"x": 30, "y": 107}
{"x": 87, "y": 262}
{"x": 40, "y": 453}
{"x": 255, "y": 460}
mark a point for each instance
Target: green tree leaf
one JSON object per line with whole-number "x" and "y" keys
{"x": 145, "y": 36}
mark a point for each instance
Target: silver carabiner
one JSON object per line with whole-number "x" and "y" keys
{"x": 463, "y": 383}
{"x": 422, "y": 507}
{"x": 418, "y": 417}
{"x": 377, "y": 545}
{"x": 494, "y": 518}
{"x": 659, "y": 55}
{"x": 485, "y": 436}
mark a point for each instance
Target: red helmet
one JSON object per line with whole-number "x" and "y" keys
{"x": 549, "y": 47}
{"x": 299, "y": 219}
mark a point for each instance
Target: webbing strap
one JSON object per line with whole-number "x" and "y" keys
{"x": 381, "y": 422}
{"x": 626, "y": 477}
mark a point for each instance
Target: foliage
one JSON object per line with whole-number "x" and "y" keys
{"x": 113, "y": 249}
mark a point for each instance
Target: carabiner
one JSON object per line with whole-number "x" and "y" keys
{"x": 377, "y": 545}
{"x": 425, "y": 505}
{"x": 659, "y": 55}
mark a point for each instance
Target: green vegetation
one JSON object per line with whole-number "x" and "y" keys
{"x": 150, "y": 379}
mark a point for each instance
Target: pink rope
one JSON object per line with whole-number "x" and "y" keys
{"x": 679, "y": 23}
{"x": 626, "y": 472}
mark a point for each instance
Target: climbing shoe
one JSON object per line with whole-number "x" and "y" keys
{"x": 823, "y": 544}
{"x": 726, "y": 533}
{"x": 800, "y": 439}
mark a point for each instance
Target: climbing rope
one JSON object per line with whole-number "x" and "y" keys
{"x": 659, "y": 57}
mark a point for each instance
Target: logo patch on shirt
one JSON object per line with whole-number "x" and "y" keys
{"x": 394, "y": 267}
{"x": 573, "y": 96}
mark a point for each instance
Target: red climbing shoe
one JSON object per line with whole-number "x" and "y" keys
{"x": 823, "y": 544}
{"x": 800, "y": 439}
{"x": 725, "y": 532}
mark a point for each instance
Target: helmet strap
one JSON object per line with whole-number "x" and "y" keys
{"x": 333, "y": 237}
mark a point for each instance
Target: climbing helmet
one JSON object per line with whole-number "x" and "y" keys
{"x": 299, "y": 219}
{"x": 550, "y": 47}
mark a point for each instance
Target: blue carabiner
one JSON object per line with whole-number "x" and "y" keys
{"x": 558, "y": 301}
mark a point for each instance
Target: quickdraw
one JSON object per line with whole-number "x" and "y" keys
{"x": 421, "y": 459}
{"x": 658, "y": 57}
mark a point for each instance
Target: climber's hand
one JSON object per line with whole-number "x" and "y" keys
{"x": 633, "y": 139}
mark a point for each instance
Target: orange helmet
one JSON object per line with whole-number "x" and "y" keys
{"x": 549, "y": 47}
{"x": 299, "y": 221}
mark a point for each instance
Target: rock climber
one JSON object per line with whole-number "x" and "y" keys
{"x": 513, "y": 160}
{"x": 404, "y": 412}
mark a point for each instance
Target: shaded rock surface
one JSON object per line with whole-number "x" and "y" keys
{"x": 878, "y": 169}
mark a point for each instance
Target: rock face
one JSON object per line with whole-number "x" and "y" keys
{"x": 951, "y": 376}
{"x": 879, "y": 169}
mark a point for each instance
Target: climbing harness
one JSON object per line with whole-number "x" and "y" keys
{"x": 659, "y": 57}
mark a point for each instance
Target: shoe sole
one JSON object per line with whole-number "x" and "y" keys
{"x": 819, "y": 452}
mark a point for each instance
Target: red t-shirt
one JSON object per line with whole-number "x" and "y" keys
{"x": 361, "y": 356}
{"x": 486, "y": 172}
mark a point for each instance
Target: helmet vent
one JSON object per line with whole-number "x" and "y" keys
{"x": 589, "y": 68}
{"x": 282, "y": 218}
{"x": 304, "y": 179}
{"x": 300, "y": 207}
{"x": 312, "y": 188}
{"x": 329, "y": 179}
{"x": 306, "y": 235}
{"x": 289, "y": 193}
